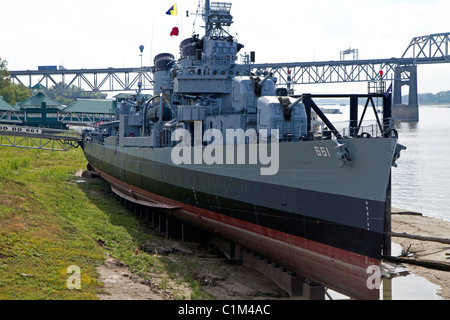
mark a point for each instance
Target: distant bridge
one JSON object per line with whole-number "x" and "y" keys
{"x": 95, "y": 80}
{"x": 402, "y": 71}
{"x": 422, "y": 50}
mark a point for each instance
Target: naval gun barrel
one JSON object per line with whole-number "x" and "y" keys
{"x": 295, "y": 103}
{"x": 190, "y": 97}
{"x": 261, "y": 83}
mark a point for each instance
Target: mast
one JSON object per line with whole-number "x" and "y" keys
{"x": 216, "y": 15}
{"x": 207, "y": 10}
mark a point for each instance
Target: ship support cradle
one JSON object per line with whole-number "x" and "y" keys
{"x": 161, "y": 217}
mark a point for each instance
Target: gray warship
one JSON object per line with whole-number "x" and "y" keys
{"x": 233, "y": 153}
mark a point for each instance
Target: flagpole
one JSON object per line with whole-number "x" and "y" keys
{"x": 151, "y": 44}
{"x": 180, "y": 21}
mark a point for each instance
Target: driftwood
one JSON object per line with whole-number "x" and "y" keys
{"x": 444, "y": 266}
{"x": 406, "y": 213}
{"x": 411, "y": 236}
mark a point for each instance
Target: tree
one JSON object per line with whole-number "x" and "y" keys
{"x": 4, "y": 74}
{"x": 73, "y": 93}
{"x": 11, "y": 93}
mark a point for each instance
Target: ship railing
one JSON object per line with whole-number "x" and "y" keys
{"x": 38, "y": 138}
{"x": 368, "y": 128}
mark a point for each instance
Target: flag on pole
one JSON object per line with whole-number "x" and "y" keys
{"x": 175, "y": 32}
{"x": 173, "y": 10}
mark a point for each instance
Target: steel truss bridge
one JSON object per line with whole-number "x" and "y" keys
{"x": 96, "y": 80}
{"x": 402, "y": 71}
{"x": 422, "y": 50}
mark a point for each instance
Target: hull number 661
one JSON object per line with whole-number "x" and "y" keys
{"x": 322, "y": 152}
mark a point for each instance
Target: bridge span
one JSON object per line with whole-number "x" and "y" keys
{"x": 430, "y": 49}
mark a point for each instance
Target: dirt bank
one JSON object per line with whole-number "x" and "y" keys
{"x": 229, "y": 280}
{"x": 223, "y": 279}
{"x": 425, "y": 250}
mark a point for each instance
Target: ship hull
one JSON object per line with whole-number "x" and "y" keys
{"x": 313, "y": 217}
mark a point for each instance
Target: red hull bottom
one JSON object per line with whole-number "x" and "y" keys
{"x": 337, "y": 269}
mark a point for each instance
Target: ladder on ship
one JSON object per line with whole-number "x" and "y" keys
{"x": 38, "y": 138}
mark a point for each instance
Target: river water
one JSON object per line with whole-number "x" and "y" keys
{"x": 421, "y": 182}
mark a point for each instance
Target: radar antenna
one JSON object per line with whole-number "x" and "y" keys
{"x": 216, "y": 15}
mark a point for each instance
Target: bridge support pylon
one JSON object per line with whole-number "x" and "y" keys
{"x": 406, "y": 112}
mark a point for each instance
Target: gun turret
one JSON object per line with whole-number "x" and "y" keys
{"x": 258, "y": 83}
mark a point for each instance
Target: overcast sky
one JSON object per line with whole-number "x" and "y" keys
{"x": 107, "y": 33}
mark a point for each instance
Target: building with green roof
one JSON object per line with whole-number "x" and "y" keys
{"x": 8, "y": 114}
{"x": 5, "y": 106}
{"x": 121, "y": 97}
{"x": 39, "y": 87}
{"x": 41, "y": 111}
{"x": 37, "y": 100}
{"x": 89, "y": 110}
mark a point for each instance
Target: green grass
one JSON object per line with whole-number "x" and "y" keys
{"x": 48, "y": 223}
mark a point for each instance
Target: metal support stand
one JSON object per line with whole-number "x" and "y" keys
{"x": 387, "y": 245}
{"x": 192, "y": 234}
{"x": 294, "y": 285}
{"x": 353, "y": 116}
